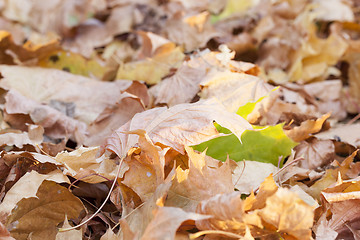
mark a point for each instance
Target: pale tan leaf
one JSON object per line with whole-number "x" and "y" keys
{"x": 27, "y": 186}
{"x": 33, "y": 137}
{"x": 178, "y": 126}
{"x": 69, "y": 235}
{"x": 233, "y": 89}
{"x": 288, "y": 214}
{"x": 306, "y": 128}
{"x": 228, "y": 214}
{"x": 248, "y": 175}
{"x": 316, "y": 153}
{"x": 146, "y": 169}
{"x": 90, "y": 97}
{"x": 139, "y": 218}
{"x": 200, "y": 182}
{"x": 40, "y": 215}
{"x": 83, "y": 163}
{"x": 346, "y": 133}
{"x": 166, "y": 222}
{"x": 112, "y": 118}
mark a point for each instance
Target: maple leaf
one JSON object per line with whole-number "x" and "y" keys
{"x": 193, "y": 185}
{"x": 51, "y": 202}
{"x": 233, "y": 89}
{"x": 190, "y": 124}
{"x": 271, "y": 140}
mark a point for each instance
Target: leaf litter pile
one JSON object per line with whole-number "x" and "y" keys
{"x": 180, "y": 119}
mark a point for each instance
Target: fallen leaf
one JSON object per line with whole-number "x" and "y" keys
{"x": 233, "y": 89}
{"x": 306, "y": 128}
{"x": 27, "y": 187}
{"x": 166, "y": 221}
{"x": 52, "y": 84}
{"x": 33, "y": 137}
{"x": 316, "y": 153}
{"x": 69, "y": 235}
{"x": 200, "y": 182}
{"x": 289, "y": 214}
{"x": 191, "y": 124}
{"x": 248, "y": 175}
{"x": 84, "y": 164}
{"x": 153, "y": 69}
{"x": 51, "y": 203}
{"x": 272, "y": 141}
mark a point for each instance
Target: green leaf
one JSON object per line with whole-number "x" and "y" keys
{"x": 266, "y": 145}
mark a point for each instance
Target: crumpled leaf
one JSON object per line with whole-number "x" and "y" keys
{"x": 112, "y": 118}
{"x": 341, "y": 201}
{"x": 34, "y": 136}
{"x": 306, "y": 128}
{"x": 146, "y": 169}
{"x": 166, "y": 221}
{"x": 283, "y": 214}
{"x": 288, "y": 214}
{"x": 271, "y": 140}
{"x": 190, "y": 124}
{"x": 201, "y": 181}
{"x": 40, "y": 215}
{"x": 55, "y": 123}
{"x": 84, "y": 164}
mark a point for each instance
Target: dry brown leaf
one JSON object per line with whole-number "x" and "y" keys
{"x": 316, "y": 153}
{"x": 184, "y": 84}
{"x": 69, "y": 235}
{"x": 306, "y": 128}
{"x": 200, "y": 182}
{"x": 33, "y": 137}
{"x": 341, "y": 201}
{"x": 84, "y": 164}
{"x": 146, "y": 169}
{"x": 190, "y": 125}
{"x": 55, "y": 123}
{"x": 39, "y": 216}
{"x": 30, "y": 50}
{"x": 166, "y": 221}
{"x": 139, "y": 218}
{"x": 228, "y": 214}
{"x": 191, "y": 31}
{"x": 289, "y": 214}
{"x": 112, "y": 118}
{"x": 27, "y": 186}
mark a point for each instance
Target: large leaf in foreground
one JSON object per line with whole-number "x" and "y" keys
{"x": 176, "y": 127}
{"x": 263, "y": 145}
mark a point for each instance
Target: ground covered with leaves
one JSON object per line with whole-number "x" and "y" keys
{"x": 179, "y": 119}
